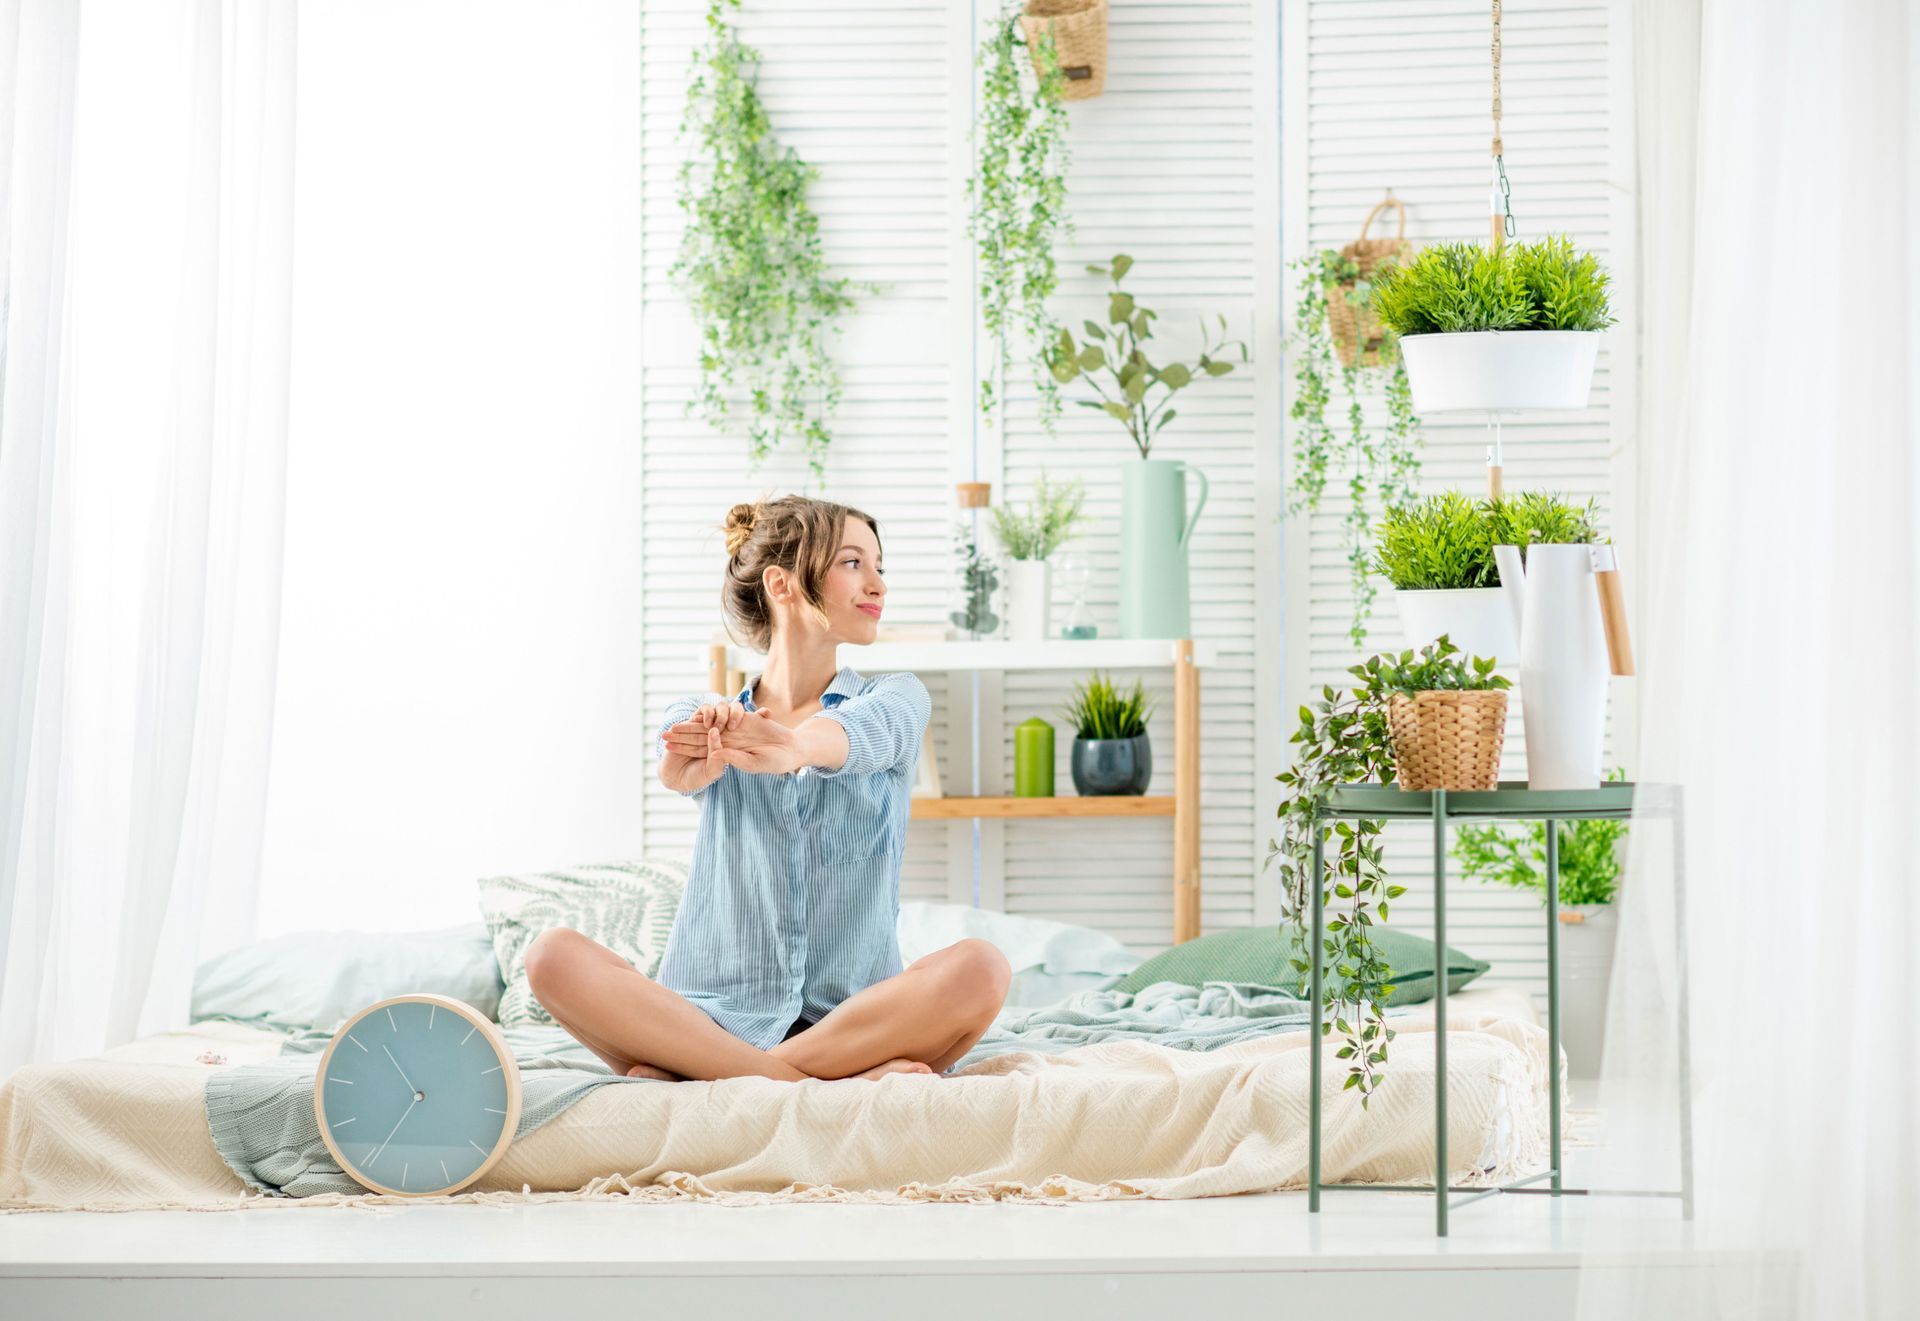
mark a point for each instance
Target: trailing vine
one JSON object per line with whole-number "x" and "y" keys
{"x": 1344, "y": 739}
{"x": 750, "y": 261}
{"x": 1018, "y": 194}
{"x": 1382, "y": 467}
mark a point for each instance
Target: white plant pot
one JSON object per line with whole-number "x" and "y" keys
{"x": 1500, "y": 371}
{"x": 1029, "y": 600}
{"x": 1477, "y": 620}
{"x": 1586, "y": 965}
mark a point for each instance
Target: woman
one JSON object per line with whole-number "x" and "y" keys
{"x": 783, "y": 960}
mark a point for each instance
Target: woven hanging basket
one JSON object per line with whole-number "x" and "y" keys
{"x": 1355, "y": 331}
{"x": 1079, "y": 30}
{"x": 1446, "y": 739}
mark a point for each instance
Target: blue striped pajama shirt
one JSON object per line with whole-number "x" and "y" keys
{"x": 794, "y": 894}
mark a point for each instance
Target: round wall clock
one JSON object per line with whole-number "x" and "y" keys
{"x": 417, "y": 1095}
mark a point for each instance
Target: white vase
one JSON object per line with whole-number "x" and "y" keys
{"x": 1500, "y": 371}
{"x": 1029, "y": 600}
{"x": 1477, "y": 620}
{"x": 1586, "y": 965}
{"x": 1563, "y": 662}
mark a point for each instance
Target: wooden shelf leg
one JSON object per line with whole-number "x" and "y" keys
{"x": 717, "y": 668}
{"x": 1186, "y": 793}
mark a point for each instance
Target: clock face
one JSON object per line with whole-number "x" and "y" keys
{"x": 414, "y": 1097}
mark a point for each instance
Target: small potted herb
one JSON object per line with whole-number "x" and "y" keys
{"x": 978, "y": 578}
{"x": 1111, "y": 753}
{"x": 1029, "y": 536}
{"x": 1589, "y": 880}
{"x": 1496, "y": 330}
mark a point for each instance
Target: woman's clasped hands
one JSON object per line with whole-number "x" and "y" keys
{"x": 722, "y": 734}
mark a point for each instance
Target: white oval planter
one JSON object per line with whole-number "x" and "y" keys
{"x": 1500, "y": 371}
{"x": 1029, "y": 600}
{"x": 1478, "y": 620}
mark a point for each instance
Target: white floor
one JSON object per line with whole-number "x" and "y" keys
{"x": 1506, "y": 1255}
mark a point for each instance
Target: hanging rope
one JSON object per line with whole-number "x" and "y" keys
{"x": 1502, "y": 222}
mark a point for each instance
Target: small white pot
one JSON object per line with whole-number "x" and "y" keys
{"x": 1029, "y": 600}
{"x": 1477, "y": 620}
{"x": 1586, "y": 965}
{"x": 1500, "y": 371}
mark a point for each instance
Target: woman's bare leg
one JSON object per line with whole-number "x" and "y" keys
{"x": 931, "y": 1012}
{"x": 633, "y": 1017}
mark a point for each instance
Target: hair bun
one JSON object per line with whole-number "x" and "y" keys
{"x": 740, "y": 521}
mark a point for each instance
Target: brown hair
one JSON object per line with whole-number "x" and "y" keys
{"x": 794, "y": 533}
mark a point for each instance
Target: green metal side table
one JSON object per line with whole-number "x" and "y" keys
{"x": 1512, "y": 801}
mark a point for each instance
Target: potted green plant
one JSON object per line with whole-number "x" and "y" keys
{"x": 1346, "y": 738}
{"x": 1590, "y": 860}
{"x": 1496, "y": 329}
{"x": 1111, "y": 752}
{"x": 1438, "y": 554}
{"x": 1378, "y": 461}
{"x": 1029, "y": 536}
{"x": 978, "y": 578}
{"x": 1155, "y": 527}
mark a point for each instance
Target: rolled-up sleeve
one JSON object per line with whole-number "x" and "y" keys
{"x": 681, "y": 709}
{"x": 884, "y": 725}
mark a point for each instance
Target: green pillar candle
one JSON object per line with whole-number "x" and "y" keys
{"x": 1033, "y": 759}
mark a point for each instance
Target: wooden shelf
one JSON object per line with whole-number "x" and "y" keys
{"x": 951, "y": 809}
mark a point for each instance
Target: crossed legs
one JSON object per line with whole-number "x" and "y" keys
{"x": 926, "y": 1017}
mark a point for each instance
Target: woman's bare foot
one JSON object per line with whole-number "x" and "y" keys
{"x": 894, "y": 1066}
{"x": 648, "y": 1071}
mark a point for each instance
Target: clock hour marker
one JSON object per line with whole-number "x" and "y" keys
{"x": 391, "y": 1019}
{"x": 347, "y": 1082}
{"x": 443, "y": 1172}
{"x": 356, "y": 1041}
{"x": 404, "y": 1167}
{"x": 484, "y": 1072}
{"x": 344, "y": 1122}
{"x": 430, "y": 1013}
{"x": 476, "y": 1146}
{"x": 470, "y": 1032}
{"x": 490, "y": 1110}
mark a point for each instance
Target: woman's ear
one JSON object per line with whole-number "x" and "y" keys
{"x": 773, "y": 581}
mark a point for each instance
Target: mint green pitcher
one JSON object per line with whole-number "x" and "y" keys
{"x": 1155, "y": 529}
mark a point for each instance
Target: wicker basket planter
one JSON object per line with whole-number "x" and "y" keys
{"x": 1079, "y": 30}
{"x": 1358, "y": 338}
{"x": 1447, "y": 739}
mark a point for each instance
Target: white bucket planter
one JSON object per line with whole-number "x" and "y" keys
{"x": 1500, "y": 371}
{"x": 1029, "y": 600}
{"x": 1586, "y": 965}
{"x": 1477, "y": 620}
{"x": 1563, "y": 662}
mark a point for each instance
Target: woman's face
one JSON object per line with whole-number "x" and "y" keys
{"x": 853, "y": 591}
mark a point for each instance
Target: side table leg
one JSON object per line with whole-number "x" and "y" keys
{"x": 1553, "y": 997}
{"x": 1441, "y": 1191}
{"x": 1314, "y": 1051}
{"x": 1685, "y": 1023}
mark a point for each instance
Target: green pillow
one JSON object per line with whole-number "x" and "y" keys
{"x": 1263, "y": 956}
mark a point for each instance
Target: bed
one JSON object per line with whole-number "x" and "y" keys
{"x": 128, "y": 1129}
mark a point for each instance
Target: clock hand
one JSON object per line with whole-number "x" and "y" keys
{"x": 403, "y": 1072}
{"x": 396, "y": 1128}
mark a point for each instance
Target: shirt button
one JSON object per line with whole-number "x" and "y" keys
{"x": 801, "y": 771}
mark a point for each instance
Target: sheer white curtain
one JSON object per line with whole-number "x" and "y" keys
{"x": 1779, "y": 659}
{"x": 142, "y": 470}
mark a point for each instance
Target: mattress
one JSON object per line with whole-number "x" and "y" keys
{"x": 127, "y": 1129}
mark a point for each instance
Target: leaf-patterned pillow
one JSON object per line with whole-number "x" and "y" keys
{"x": 627, "y": 906}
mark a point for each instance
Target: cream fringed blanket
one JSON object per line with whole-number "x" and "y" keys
{"x": 127, "y": 1130}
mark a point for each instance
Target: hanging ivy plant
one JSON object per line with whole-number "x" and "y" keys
{"x": 1018, "y": 195}
{"x": 1383, "y": 465}
{"x": 750, "y": 262}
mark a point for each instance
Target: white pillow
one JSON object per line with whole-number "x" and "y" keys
{"x": 1051, "y": 960}
{"x": 318, "y": 978}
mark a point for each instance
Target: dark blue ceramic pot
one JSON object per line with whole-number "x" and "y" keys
{"x": 1112, "y": 765}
